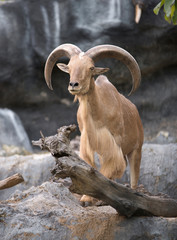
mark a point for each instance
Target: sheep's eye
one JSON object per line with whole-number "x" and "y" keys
{"x": 91, "y": 68}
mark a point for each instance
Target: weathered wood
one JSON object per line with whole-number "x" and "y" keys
{"x": 11, "y": 181}
{"x": 87, "y": 180}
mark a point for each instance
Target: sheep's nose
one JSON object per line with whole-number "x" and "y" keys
{"x": 74, "y": 84}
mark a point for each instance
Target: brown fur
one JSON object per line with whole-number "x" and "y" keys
{"x": 109, "y": 123}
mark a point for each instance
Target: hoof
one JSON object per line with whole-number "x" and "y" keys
{"x": 86, "y": 201}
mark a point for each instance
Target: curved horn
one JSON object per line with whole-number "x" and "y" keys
{"x": 138, "y": 12}
{"x": 110, "y": 51}
{"x": 67, "y": 50}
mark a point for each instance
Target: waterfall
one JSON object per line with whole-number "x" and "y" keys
{"x": 12, "y": 131}
{"x": 57, "y": 22}
{"x": 114, "y": 13}
{"x": 46, "y": 24}
{"x": 52, "y": 37}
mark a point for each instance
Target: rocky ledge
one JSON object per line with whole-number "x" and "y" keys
{"x": 50, "y": 211}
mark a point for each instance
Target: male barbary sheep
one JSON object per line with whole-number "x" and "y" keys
{"x": 109, "y": 123}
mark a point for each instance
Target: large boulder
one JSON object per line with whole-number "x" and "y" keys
{"x": 50, "y": 211}
{"x": 158, "y": 169}
{"x": 35, "y": 169}
{"x": 158, "y": 172}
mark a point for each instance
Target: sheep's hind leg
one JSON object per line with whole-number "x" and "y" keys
{"x": 134, "y": 160}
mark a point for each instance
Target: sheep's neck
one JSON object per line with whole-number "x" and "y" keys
{"x": 88, "y": 107}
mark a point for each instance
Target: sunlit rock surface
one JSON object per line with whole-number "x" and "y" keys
{"x": 34, "y": 168}
{"x": 50, "y": 211}
{"x": 158, "y": 172}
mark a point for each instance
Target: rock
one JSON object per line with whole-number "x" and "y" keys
{"x": 158, "y": 171}
{"x": 50, "y": 211}
{"x": 47, "y": 118}
{"x": 159, "y": 168}
{"x": 46, "y": 25}
{"x": 12, "y": 132}
{"x": 163, "y": 137}
{"x": 34, "y": 168}
{"x": 146, "y": 228}
{"x": 9, "y": 150}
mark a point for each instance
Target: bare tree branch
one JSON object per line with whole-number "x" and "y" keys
{"x": 11, "y": 181}
{"x": 87, "y": 180}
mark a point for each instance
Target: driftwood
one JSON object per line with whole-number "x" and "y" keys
{"x": 11, "y": 181}
{"x": 87, "y": 180}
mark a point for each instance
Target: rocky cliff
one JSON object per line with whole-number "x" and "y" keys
{"x": 30, "y": 30}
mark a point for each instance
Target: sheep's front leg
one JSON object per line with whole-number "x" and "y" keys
{"x": 86, "y": 153}
{"x": 88, "y": 156}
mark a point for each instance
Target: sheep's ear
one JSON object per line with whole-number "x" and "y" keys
{"x": 63, "y": 67}
{"x": 98, "y": 71}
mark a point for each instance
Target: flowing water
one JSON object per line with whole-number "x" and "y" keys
{"x": 12, "y": 131}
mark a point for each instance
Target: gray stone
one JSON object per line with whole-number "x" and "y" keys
{"x": 50, "y": 211}
{"x": 46, "y": 24}
{"x": 158, "y": 169}
{"x": 163, "y": 137}
{"x": 34, "y": 168}
{"x": 12, "y": 132}
{"x": 147, "y": 228}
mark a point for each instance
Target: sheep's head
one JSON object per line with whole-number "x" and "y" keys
{"x": 81, "y": 65}
{"x": 81, "y": 70}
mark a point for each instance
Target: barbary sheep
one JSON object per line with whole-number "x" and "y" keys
{"x": 109, "y": 123}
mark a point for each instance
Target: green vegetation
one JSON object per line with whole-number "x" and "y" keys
{"x": 170, "y": 10}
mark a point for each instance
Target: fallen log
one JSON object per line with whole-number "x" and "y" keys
{"x": 11, "y": 181}
{"x": 87, "y": 180}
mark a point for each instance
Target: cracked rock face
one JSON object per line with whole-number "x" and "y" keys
{"x": 158, "y": 172}
{"x": 158, "y": 169}
{"x": 50, "y": 211}
{"x": 35, "y": 169}
{"x": 44, "y": 25}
